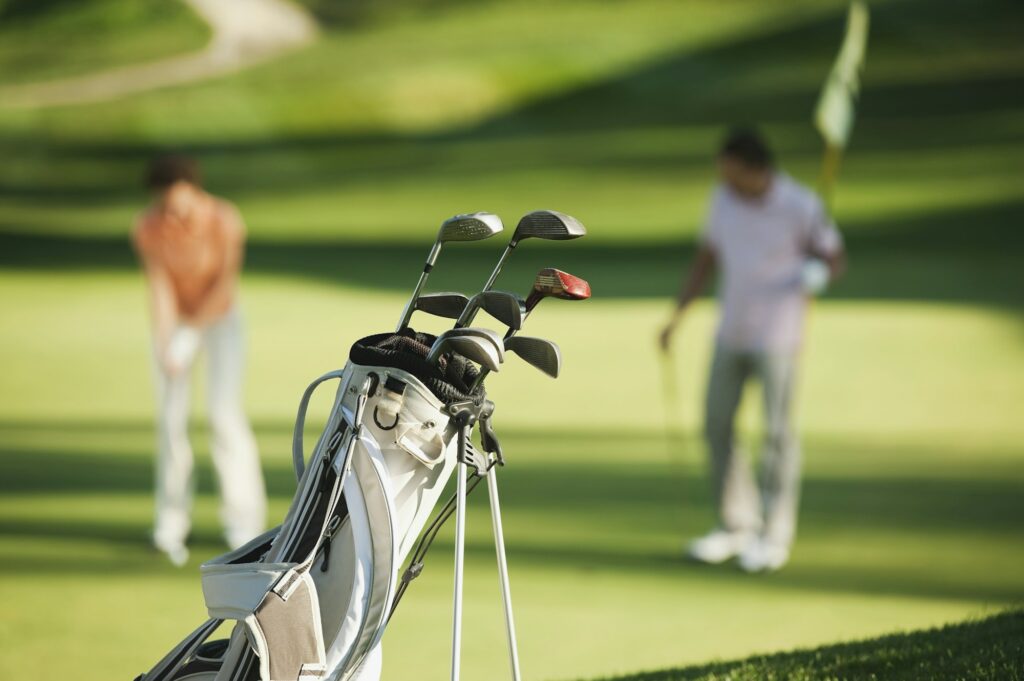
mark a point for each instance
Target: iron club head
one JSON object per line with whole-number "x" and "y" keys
{"x": 537, "y": 352}
{"x": 447, "y": 304}
{"x": 508, "y": 308}
{"x": 482, "y": 346}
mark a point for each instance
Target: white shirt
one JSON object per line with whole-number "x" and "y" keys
{"x": 761, "y": 245}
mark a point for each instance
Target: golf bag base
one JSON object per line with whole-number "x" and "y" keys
{"x": 311, "y": 598}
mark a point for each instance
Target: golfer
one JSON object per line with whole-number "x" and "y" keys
{"x": 775, "y": 245}
{"x": 190, "y": 245}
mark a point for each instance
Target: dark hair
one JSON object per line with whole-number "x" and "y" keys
{"x": 165, "y": 170}
{"x": 747, "y": 146}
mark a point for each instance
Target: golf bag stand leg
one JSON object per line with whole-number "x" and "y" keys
{"x": 461, "y": 471}
{"x": 499, "y": 546}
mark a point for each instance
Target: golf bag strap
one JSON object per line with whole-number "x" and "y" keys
{"x": 172, "y": 661}
{"x": 298, "y": 455}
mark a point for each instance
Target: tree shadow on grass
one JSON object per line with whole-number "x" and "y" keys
{"x": 606, "y": 516}
{"x": 925, "y": 257}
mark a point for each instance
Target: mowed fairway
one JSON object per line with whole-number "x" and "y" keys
{"x": 345, "y": 156}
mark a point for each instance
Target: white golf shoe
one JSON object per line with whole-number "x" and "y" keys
{"x": 719, "y": 546}
{"x": 176, "y": 553}
{"x": 762, "y": 555}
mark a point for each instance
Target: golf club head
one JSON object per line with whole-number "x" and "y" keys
{"x": 482, "y": 348}
{"x": 537, "y": 352}
{"x": 552, "y": 283}
{"x": 447, "y": 304}
{"x": 548, "y": 224}
{"x": 490, "y": 336}
{"x": 469, "y": 227}
{"x": 508, "y": 308}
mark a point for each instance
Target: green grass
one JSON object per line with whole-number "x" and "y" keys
{"x": 46, "y": 39}
{"x": 911, "y": 515}
{"x": 989, "y": 648}
{"x": 346, "y": 155}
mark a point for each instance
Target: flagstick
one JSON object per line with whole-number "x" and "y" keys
{"x": 830, "y": 161}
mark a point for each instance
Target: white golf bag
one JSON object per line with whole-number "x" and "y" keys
{"x": 311, "y": 598}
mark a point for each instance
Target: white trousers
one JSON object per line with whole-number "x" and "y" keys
{"x": 243, "y": 498}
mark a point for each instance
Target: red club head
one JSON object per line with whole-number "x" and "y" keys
{"x": 557, "y": 284}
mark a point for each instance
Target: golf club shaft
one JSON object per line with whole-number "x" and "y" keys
{"x": 410, "y": 307}
{"x": 506, "y": 593}
{"x": 466, "y": 318}
{"x": 468, "y": 314}
{"x": 460, "y": 552}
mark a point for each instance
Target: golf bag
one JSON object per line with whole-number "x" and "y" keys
{"x": 311, "y": 598}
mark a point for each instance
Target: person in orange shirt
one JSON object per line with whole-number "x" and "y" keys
{"x": 190, "y": 245}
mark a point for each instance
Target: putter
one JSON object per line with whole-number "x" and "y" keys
{"x": 540, "y": 224}
{"x": 448, "y": 304}
{"x": 466, "y": 227}
{"x": 507, "y": 308}
{"x": 482, "y": 346}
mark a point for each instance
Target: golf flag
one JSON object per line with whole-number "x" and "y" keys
{"x": 834, "y": 114}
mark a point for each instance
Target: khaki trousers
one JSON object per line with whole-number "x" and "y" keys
{"x": 768, "y": 506}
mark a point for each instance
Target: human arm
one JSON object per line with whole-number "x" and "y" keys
{"x": 163, "y": 302}
{"x": 825, "y": 243}
{"x": 220, "y": 295}
{"x": 692, "y": 284}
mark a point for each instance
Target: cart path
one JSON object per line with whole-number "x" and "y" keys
{"x": 245, "y": 32}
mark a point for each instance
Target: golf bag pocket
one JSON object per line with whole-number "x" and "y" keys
{"x": 278, "y": 604}
{"x": 407, "y": 418}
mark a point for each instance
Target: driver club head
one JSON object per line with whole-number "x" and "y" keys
{"x": 469, "y": 227}
{"x": 447, "y": 304}
{"x": 548, "y": 224}
{"x": 537, "y": 352}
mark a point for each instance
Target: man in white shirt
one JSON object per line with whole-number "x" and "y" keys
{"x": 775, "y": 245}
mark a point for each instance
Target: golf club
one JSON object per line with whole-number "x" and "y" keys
{"x": 465, "y": 227}
{"x": 447, "y": 304}
{"x": 507, "y": 308}
{"x": 549, "y": 283}
{"x": 478, "y": 345}
{"x": 537, "y": 352}
{"x": 540, "y": 224}
{"x": 552, "y": 283}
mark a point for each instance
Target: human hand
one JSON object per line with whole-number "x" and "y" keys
{"x": 814, "y": 276}
{"x": 181, "y": 350}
